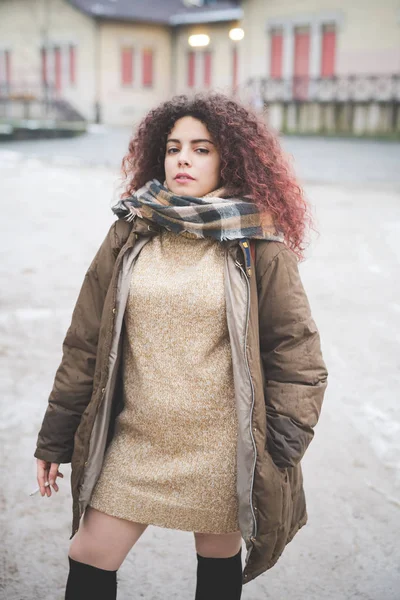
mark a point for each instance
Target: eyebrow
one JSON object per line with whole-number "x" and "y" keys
{"x": 191, "y": 141}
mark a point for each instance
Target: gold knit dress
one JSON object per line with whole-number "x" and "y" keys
{"x": 172, "y": 460}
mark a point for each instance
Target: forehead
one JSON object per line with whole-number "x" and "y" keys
{"x": 188, "y": 128}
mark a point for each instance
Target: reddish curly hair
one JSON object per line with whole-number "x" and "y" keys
{"x": 252, "y": 160}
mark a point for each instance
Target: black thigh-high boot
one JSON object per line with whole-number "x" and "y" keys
{"x": 86, "y": 582}
{"x": 219, "y": 578}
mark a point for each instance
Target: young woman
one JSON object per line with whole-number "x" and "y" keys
{"x": 192, "y": 375}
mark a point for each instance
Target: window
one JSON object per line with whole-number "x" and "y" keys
{"x": 127, "y": 74}
{"x": 207, "y": 69}
{"x": 72, "y": 64}
{"x": 328, "y": 51}
{"x": 58, "y": 66}
{"x": 147, "y": 68}
{"x": 276, "y": 54}
{"x": 191, "y": 62}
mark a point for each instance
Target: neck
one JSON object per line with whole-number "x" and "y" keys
{"x": 218, "y": 193}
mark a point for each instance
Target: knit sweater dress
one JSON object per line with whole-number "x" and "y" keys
{"x": 172, "y": 460}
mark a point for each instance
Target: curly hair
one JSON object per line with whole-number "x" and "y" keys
{"x": 252, "y": 161}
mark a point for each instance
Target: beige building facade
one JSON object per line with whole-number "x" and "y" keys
{"x": 111, "y": 70}
{"x": 30, "y": 27}
{"x": 367, "y": 34}
{"x": 324, "y": 66}
{"x": 221, "y": 52}
{"x": 113, "y": 67}
{"x": 123, "y": 103}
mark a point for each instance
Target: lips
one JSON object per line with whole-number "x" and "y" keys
{"x": 183, "y": 177}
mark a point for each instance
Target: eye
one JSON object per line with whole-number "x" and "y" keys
{"x": 172, "y": 150}
{"x": 203, "y": 150}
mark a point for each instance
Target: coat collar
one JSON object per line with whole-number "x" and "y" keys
{"x": 145, "y": 227}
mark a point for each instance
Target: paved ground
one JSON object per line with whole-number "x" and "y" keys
{"x": 53, "y": 219}
{"x": 316, "y": 159}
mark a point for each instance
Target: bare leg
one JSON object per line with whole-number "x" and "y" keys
{"x": 219, "y": 566}
{"x": 218, "y": 545}
{"x": 104, "y": 541}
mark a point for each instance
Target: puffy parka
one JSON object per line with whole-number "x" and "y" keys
{"x": 279, "y": 376}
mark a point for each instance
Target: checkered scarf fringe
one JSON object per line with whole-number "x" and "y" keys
{"x": 210, "y": 216}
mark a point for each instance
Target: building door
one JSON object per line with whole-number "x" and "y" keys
{"x": 301, "y": 71}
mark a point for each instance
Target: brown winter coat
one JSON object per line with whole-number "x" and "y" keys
{"x": 279, "y": 377}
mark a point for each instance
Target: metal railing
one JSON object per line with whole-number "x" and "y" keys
{"x": 36, "y": 103}
{"x": 341, "y": 89}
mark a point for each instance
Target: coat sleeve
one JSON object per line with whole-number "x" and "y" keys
{"x": 294, "y": 369}
{"x": 73, "y": 383}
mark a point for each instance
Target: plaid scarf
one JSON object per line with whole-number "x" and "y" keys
{"x": 210, "y": 216}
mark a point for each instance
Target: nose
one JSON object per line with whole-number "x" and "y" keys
{"x": 183, "y": 160}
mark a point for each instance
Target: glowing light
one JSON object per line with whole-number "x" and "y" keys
{"x": 236, "y": 34}
{"x": 198, "y": 40}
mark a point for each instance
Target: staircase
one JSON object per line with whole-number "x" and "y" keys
{"x": 27, "y": 115}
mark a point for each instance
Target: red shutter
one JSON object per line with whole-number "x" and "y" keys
{"x": 72, "y": 65}
{"x": 147, "y": 58}
{"x": 276, "y": 54}
{"x": 207, "y": 69}
{"x": 328, "y": 51}
{"x": 127, "y": 66}
{"x": 235, "y": 69}
{"x": 301, "y": 63}
{"x": 191, "y": 69}
{"x": 57, "y": 69}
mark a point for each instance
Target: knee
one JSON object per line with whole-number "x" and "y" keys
{"x": 83, "y": 550}
{"x": 80, "y": 550}
{"x": 218, "y": 545}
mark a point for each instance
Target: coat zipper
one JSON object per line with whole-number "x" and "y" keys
{"x": 117, "y": 267}
{"x": 237, "y": 263}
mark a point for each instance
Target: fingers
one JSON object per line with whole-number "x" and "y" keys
{"x": 47, "y": 474}
{"x": 53, "y": 476}
{"x": 55, "y": 486}
{"x": 42, "y": 475}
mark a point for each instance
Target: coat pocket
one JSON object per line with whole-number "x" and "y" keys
{"x": 268, "y": 493}
{"x": 286, "y": 507}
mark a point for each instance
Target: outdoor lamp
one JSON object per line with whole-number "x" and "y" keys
{"x": 200, "y": 39}
{"x": 236, "y": 34}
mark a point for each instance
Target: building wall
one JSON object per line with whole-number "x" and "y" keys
{"x": 367, "y": 41}
{"x": 23, "y": 24}
{"x": 368, "y": 34}
{"x": 126, "y": 104}
{"x": 221, "y": 49}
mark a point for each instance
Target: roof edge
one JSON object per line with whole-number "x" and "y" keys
{"x": 224, "y": 14}
{"x": 79, "y": 8}
{"x": 208, "y": 16}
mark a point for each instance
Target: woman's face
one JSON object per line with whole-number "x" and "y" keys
{"x": 192, "y": 162}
